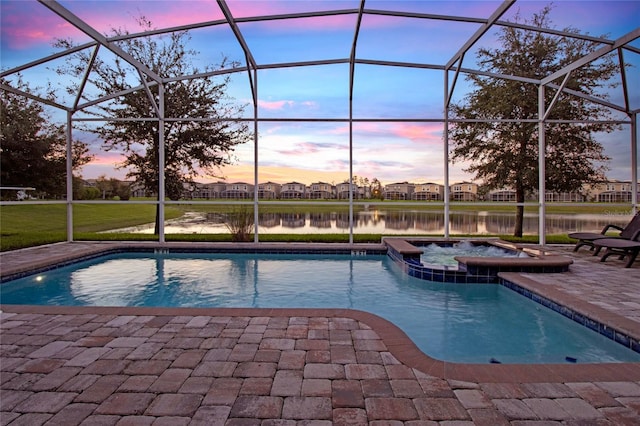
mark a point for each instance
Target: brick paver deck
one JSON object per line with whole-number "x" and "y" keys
{"x": 177, "y": 366}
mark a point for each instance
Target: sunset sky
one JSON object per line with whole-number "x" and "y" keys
{"x": 319, "y": 151}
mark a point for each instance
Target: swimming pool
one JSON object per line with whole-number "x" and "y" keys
{"x": 451, "y": 322}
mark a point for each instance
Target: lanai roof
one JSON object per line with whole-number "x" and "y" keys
{"x": 361, "y": 38}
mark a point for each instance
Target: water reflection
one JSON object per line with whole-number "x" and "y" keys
{"x": 391, "y": 222}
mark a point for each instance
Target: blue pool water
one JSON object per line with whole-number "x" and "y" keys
{"x": 451, "y": 322}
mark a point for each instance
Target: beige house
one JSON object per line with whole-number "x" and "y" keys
{"x": 293, "y": 191}
{"x": 211, "y": 190}
{"x": 564, "y": 197}
{"x": 269, "y": 190}
{"x": 342, "y": 191}
{"x": 321, "y": 190}
{"x": 463, "y": 191}
{"x": 502, "y": 195}
{"x": 428, "y": 192}
{"x": 606, "y": 192}
{"x": 613, "y": 191}
{"x": 399, "y": 191}
{"x": 237, "y": 190}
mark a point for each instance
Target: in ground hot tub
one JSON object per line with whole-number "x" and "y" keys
{"x": 474, "y": 261}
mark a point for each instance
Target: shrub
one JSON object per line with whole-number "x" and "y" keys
{"x": 239, "y": 222}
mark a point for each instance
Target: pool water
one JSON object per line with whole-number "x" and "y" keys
{"x": 477, "y": 323}
{"x": 434, "y": 254}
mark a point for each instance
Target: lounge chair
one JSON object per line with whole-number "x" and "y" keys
{"x": 620, "y": 247}
{"x": 589, "y": 238}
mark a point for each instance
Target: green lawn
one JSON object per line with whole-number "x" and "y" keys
{"x": 30, "y": 224}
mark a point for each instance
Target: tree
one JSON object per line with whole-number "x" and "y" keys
{"x": 505, "y": 154}
{"x": 376, "y": 189}
{"x": 191, "y": 146}
{"x": 109, "y": 187}
{"x": 33, "y": 148}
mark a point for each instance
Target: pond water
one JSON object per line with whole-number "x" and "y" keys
{"x": 390, "y": 222}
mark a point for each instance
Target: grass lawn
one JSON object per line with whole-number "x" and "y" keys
{"x": 28, "y": 225}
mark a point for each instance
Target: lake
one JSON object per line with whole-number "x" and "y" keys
{"x": 389, "y": 222}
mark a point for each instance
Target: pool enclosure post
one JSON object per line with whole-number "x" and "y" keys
{"x": 445, "y": 138}
{"x": 541, "y": 166}
{"x": 352, "y": 71}
{"x": 69, "y": 165}
{"x": 543, "y": 113}
{"x": 256, "y": 204}
{"x": 252, "y": 65}
{"x": 351, "y": 172}
{"x": 634, "y": 162}
{"x": 351, "y": 77}
{"x": 161, "y": 182}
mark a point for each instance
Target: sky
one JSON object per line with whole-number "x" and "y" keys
{"x": 312, "y": 151}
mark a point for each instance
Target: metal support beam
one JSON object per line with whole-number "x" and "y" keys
{"x": 350, "y": 171}
{"x": 453, "y": 84}
{"x": 161, "y": 164}
{"x": 85, "y": 77}
{"x": 69, "y": 180}
{"x": 251, "y": 62}
{"x": 627, "y": 38}
{"x": 352, "y": 56}
{"x": 623, "y": 77}
{"x": 46, "y": 59}
{"x": 634, "y": 162}
{"x": 352, "y": 71}
{"x": 256, "y": 155}
{"x": 446, "y": 153}
{"x": 32, "y": 96}
{"x": 555, "y": 98}
{"x": 65, "y": 14}
{"x": 480, "y": 32}
{"x": 542, "y": 230}
{"x": 147, "y": 90}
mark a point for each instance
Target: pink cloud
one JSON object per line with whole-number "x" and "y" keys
{"x": 339, "y": 130}
{"x": 274, "y": 105}
{"x": 307, "y": 148}
{"x": 103, "y": 15}
{"x": 418, "y": 132}
{"x": 111, "y": 158}
{"x": 284, "y": 103}
{"x": 415, "y": 132}
{"x": 248, "y": 8}
{"x": 25, "y": 24}
{"x": 303, "y": 148}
